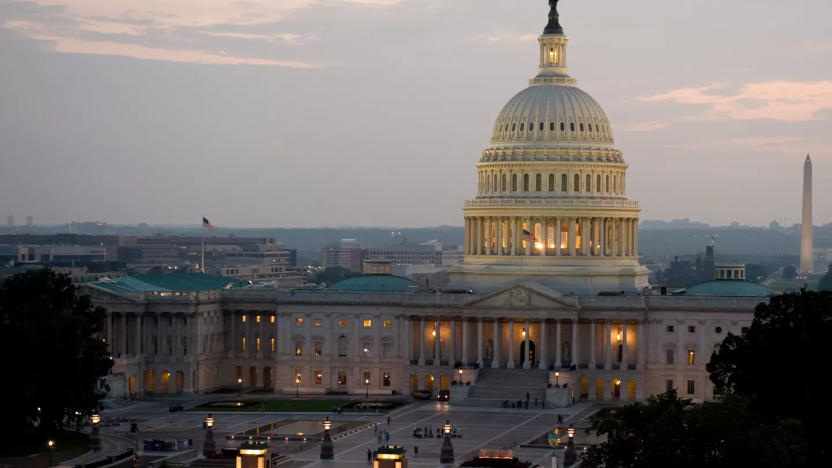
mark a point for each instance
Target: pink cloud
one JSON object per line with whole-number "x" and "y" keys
{"x": 790, "y": 101}
{"x": 640, "y": 127}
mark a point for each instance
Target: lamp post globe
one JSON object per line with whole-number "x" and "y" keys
{"x": 95, "y": 437}
{"x": 327, "y": 448}
{"x": 447, "y": 454}
{"x": 210, "y": 447}
{"x": 571, "y": 455}
{"x": 367, "y": 387}
{"x": 51, "y": 444}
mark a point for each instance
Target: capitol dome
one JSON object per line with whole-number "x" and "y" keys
{"x": 551, "y": 204}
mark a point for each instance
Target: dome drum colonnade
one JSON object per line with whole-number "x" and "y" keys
{"x": 551, "y": 201}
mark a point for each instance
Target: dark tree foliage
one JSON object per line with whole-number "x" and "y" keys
{"x": 781, "y": 362}
{"x": 667, "y": 431}
{"x": 52, "y": 364}
{"x": 825, "y": 282}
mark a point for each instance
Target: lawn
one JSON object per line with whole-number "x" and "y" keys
{"x": 21, "y": 453}
{"x": 301, "y": 406}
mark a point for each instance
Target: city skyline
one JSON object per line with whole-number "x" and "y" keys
{"x": 138, "y": 122}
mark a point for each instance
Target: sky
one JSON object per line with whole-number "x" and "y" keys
{"x": 305, "y": 113}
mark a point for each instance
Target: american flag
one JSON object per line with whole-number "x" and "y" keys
{"x": 207, "y": 224}
{"x": 528, "y": 237}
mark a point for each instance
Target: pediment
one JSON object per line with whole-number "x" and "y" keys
{"x": 98, "y": 294}
{"x": 524, "y": 295}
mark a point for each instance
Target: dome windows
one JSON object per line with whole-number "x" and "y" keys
{"x": 503, "y": 188}
{"x": 563, "y": 183}
{"x": 537, "y": 182}
{"x": 576, "y": 184}
{"x": 531, "y": 126}
{"x": 588, "y": 186}
{"x": 598, "y": 183}
{"x": 551, "y": 126}
{"x": 551, "y": 182}
{"x": 590, "y": 127}
{"x": 562, "y": 127}
{"x": 553, "y": 55}
{"x": 513, "y": 127}
{"x": 541, "y": 126}
{"x": 582, "y": 127}
{"x": 522, "y": 126}
{"x": 572, "y": 126}
{"x": 525, "y": 182}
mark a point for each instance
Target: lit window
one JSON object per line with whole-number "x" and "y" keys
{"x": 385, "y": 379}
{"x": 272, "y": 344}
{"x": 257, "y": 319}
{"x": 342, "y": 378}
{"x": 318, "y": 348}
{"x": 367, "y": 349}
{"x": 691, "y": 387}
{"x": 368, "y": 323}
{"x": 243, "y": 343}
{"x": 691, "y": 357}
{"x": 342, "y": 323}
{"x": 298, "y": 321}
{"x": 319, "y": 377}
{"x": 271, "y": 319}
{"x": 317, "y": 322}
{"x": 298, "y": 378}
{"x": 243, "y": 318}
{"x": 257, "y": 344}
{"x": 388, "y": 323}
{"x": 298, "y": 348}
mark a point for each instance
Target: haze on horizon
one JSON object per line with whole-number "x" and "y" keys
{"x": 374, "y": 112}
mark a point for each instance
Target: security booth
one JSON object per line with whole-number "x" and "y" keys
{"x": 253, "y": 454}
{"x": 390, "y": 456}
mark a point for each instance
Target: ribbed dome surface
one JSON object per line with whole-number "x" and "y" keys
{"x": 552, "y": 114}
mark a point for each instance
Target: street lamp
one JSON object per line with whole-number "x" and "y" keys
{"x": 367, "y": 386}
{"x": 51, "y": 445}
{"x": 210, "y": 446}
{"x": 460, "y": 376}
{"x": 557, "y": 379}
{"x": 297, "y": 386}
{"x": 95, "y": 438}
{"x": 447, "y": 453}
{"x": 571, "y": 455}
{"x": 240, "y": 384}
{"x": 327, "y": 448}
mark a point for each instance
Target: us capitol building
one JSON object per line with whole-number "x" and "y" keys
{"x": 560, "y": 307}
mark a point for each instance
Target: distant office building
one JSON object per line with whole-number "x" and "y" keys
{"x": 280, "y": 275}
{"x": 348, "y": 254}
{"x": 10, "y": 220}
{"x": 30, "y": 221}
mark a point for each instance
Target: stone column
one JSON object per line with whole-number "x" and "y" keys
{"x": 123, "y": 345}
{"x": 499, "y": 236}
{"x": 544, "y": 234}
{"x": 624, "y": 346}
{"x": 607, "y": 345}
{"x": 526, "y": 363}
{"x": 635, "y": 240}
{"x": 436, "y": 342}
{"x": 587, "y": 236}
{"x": 575, "y": 343}
{"x": 421, "y": 341}
{"x": 110, "y": 332}
{"x": 515, "y": 236}
{"x": 510, "y": 364}
{"x": 530, "y": 228}
{"x": 603, "y": 238}
{"x": 592, "y": 345}
{"x": 452, "y": 342}
{"x": 559, "y": 346}
{"x": 480, "y": 248}
{"x": 557, "y": 223}
{"x": 479, "y": 343}
{"x": 137, "y": 347}
{"x": 495, "y": 361}
{"x": 465, "y": 341}
{"x": 544, "y": 348}
{"x": 641, "y": 342}
{"x": 571, "y": 246}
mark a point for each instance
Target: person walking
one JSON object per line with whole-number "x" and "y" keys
{"x": 388, "y": 420}
{"x": 369, "y": 456}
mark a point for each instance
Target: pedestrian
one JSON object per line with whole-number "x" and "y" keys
{"x": 388, "y": 420}
{"x": 369, "y": 456}
{"x": 375, "y": 428}
{"x": 535, "y": 402}
{"x": 415, "y": 450}
{"x": 527, "y": 396}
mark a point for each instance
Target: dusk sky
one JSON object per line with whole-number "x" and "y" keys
{"x": 300, "y": 113}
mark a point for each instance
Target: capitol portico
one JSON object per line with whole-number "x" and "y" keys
{"x": 550, "y": 299}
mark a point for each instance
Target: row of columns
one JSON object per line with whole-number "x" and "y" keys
{"x": 599, "y": 236}
{"x": 127, "y": 337}
{"x": 607, "y": 343}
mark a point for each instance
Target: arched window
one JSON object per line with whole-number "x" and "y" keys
{"x": 582, "y": 127}
{"x": 522, "y": 126}
{"x": 513, "y": 126}
{"x": 514, "y": 182}
{"x": 590, "y": 127}
{"x": 551, "y": 182}
{"x": 576, "y": 185}
{"x": 541, "y": 126}
{"x": 525, "y": 182}
{"x": 531, "y": 126}
{"x": 343, "y": 345}
{"x": 598, "y": 183}
{"x": 494, "y": 185}
{"x": 615, "y": 184}
{"x": 563, "y": 183}
{"x": 572, "y": 126}
{"x": 537, "y": 182}
{"x": 503, "y": 188}
{"x": 588, "y": 186}
{"x": 562, "y": 127}
{"x": 551, "y": 126}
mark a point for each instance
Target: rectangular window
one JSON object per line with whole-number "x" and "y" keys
{"x": 257, "y": 319}
{"x": 318, "y": 348}
{"x": 388, "y": 323}
{"x": 385, "y": 378}
{"x": 243, "y": 318}
{"x": 298, "y": 348}
{"x": 668, "y": 355}
{"x": 298, "y": 321}
{"x": 271, "y": 344}
{"x": 257, "y": 344}
{"x": 342, "y": 323}
{"x": 342, "y": 378}
{"x": 368, "y": 323}
{"x": 317, "y": 322}
{"x": 271, "y": 319}
{"x": 367, "y": 349}
{"x": 670, "y": 329}
{"x": 319, "y": 377}
{"x": 691, "y": 387}
{"x": 692, "y": 329}
{"x": 691, "y": 357}
{"x": 386, "y": 350}
{"x": 243, "y": 348}
{"x": 668, "y": 385}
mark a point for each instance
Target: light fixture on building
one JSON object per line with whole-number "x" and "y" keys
{"x": 433, "y": 332}
{"x": 618, "y": 335}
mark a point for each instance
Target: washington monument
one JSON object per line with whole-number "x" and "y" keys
{"x": 806, "y": 226}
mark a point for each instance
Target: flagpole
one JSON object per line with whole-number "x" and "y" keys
{"x": 202, "y": 266}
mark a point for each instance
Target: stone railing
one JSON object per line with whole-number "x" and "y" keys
{"x": 546, "y": 202}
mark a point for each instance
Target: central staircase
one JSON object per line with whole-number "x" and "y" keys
{"x": 494, "y": 386}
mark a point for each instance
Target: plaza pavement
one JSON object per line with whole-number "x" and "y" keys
{"x": 479, "y": 427}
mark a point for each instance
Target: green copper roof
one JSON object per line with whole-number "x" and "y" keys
{"x": 380, "y": 283}
{"x": 726, "y": 288}
{"x": 176, "y": 282}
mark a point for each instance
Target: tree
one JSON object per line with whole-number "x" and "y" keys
{"x": 826, "y": 282}
{"x": 779, "y": 363}
{"x": 668, "y": 431}
{"x": 52, "y": 362}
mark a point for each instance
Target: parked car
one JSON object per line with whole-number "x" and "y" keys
{"x": 444, "y": 395}
{"x": 422, "y": 394}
